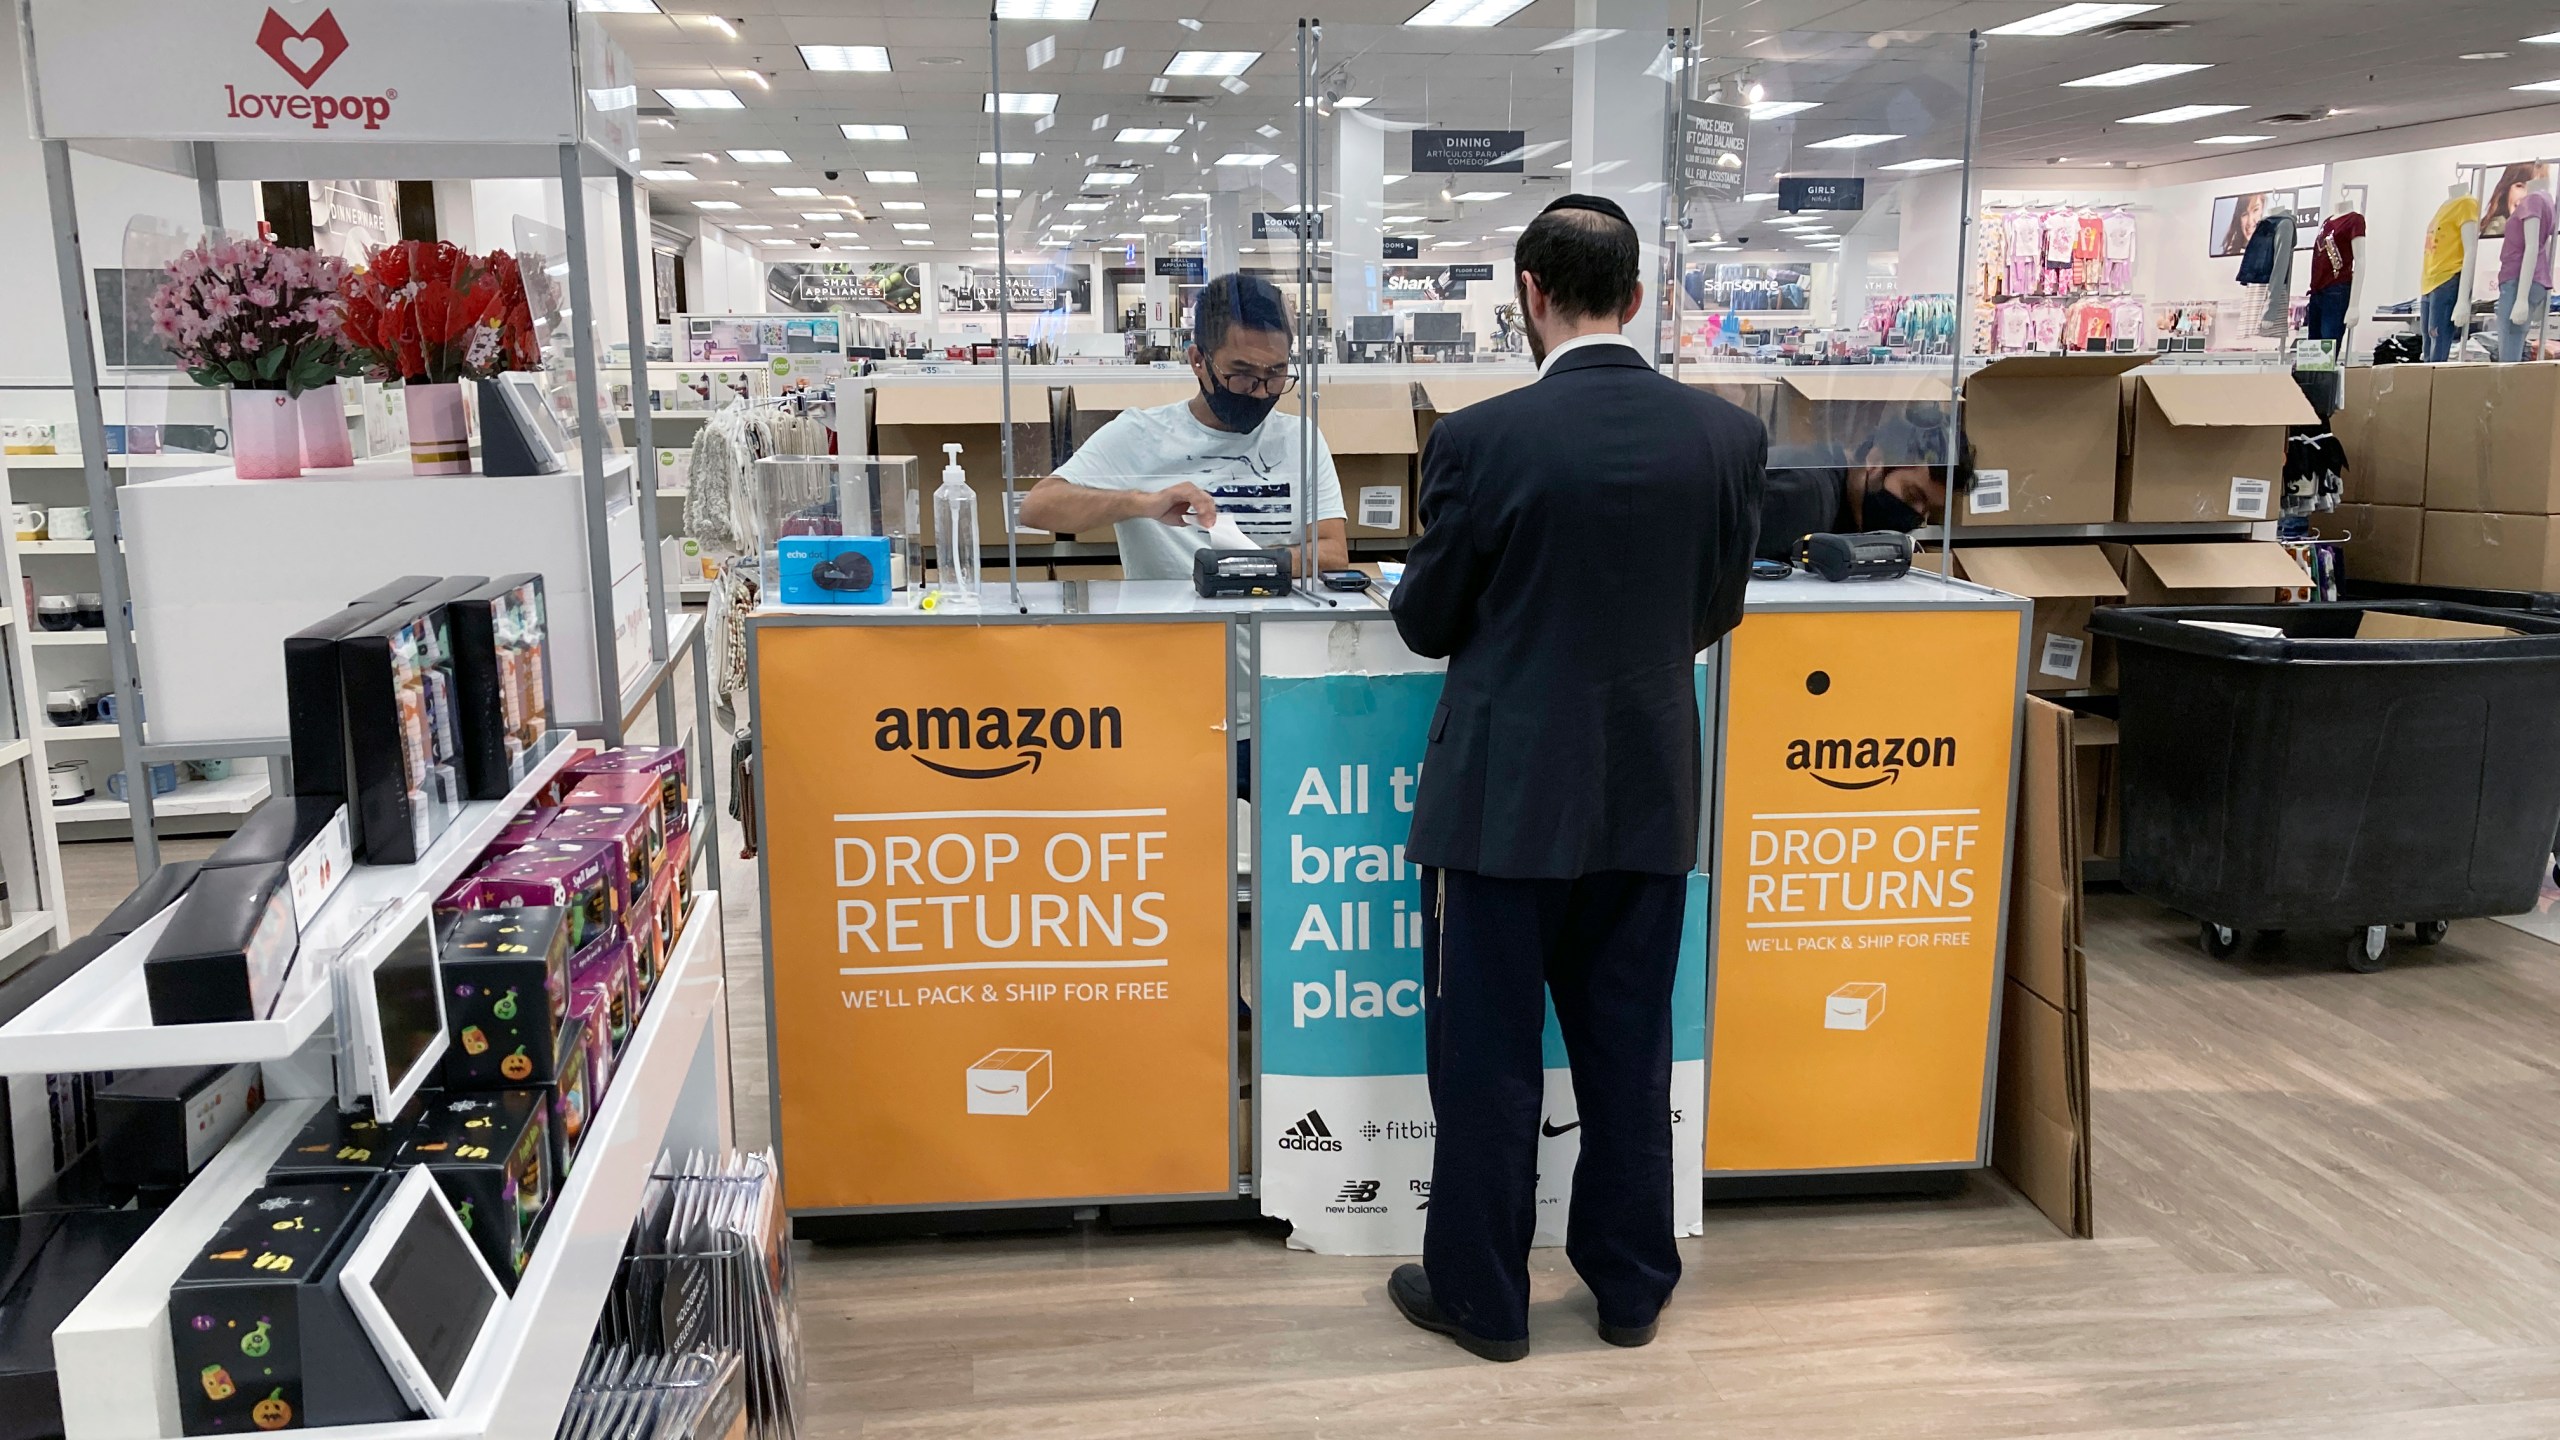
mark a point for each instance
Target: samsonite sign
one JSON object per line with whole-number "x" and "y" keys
{"x": 455, "y": 71}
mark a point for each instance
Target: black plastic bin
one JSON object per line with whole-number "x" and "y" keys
{"x": 2532, "y": 602}
{"x": 2321, "y": 782}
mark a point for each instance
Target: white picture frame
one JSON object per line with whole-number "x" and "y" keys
{"x": 416, "y": 1225}
{"x": 369, "y": 1048}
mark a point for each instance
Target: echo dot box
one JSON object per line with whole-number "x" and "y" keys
{"x": 832, "y": 569}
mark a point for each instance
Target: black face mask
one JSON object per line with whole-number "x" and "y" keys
{"x": 1243, "y": 413}
{"x": 1885, "y": 510}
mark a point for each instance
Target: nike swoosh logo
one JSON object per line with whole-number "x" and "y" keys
{"x": 1551, "y": 1130}
{"x": 1886, "y": 778}
{"x": 1030, "y": 761}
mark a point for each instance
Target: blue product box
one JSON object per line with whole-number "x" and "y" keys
{"x": 832, "y": 569}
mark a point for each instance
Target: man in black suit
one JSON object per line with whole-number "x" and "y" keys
{"x": 1584, "y": 538}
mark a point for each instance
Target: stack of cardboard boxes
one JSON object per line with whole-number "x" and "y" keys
{"x": 2479, "y": 447}
{"x": 2383, "y": 426}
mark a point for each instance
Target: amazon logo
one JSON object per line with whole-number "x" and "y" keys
{"x": 1864, "y": 764}
{"x": 993, "y": 742}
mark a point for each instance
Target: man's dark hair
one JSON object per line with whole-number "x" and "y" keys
{"x": 1237, "y": 301}
{"x": 1586, "y": 259}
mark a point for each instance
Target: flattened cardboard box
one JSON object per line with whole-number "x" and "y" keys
{"x": 2201, "y": 446}
{"x": 2101, "y": 813}
{"x": 1373, "y": 434}
{"x": 2382, "y": 541}
{"x": 2040, "y": 1127}
{"x": 920, "y": 418}
{"x": 2382, "y": 425}
{"x": 2043, "y": 430}
{"x": 2484, "y": 551}
{"x": 2207, "y": 572}
{"x": 2493, "y": 439}
{"x": 1448, "y": 396}
{"x": 2066, "y": 582}
{"x": 1843, "y": 406}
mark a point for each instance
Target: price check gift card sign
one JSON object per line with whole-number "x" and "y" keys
{"x": 1000, "y": 885}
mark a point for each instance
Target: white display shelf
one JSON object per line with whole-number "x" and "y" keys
{"x": 15, "y": 751}
{"x": 231, "y": 795}
{"x": 104, "y": 730}
{"x": 66, "y": 637}
{"x": 8, "y": 617}
{"x": 29, "y": 927}
{"x": 667, "y": 414}
{"x": 57, "y": 547}
{"x": 115, "y": 1365}
{"x": 680, "y": 630}
{"x": 100, "y": 1018}
{"x": 117, "y": 462}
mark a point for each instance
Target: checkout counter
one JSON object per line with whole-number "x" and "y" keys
{"x": 1001, "y": 895}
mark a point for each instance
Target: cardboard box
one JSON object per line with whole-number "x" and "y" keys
{"x": 2486, "y": 551}
{"x": 2207, "y": 572}
{"x": 1854, "y": 1006}
{"x": 1755, "y": 394}
{"x": 2100, "y": 816}
{"x": 2493, "y": 439}
{"x": 1009, "y": 1082}
{"x": 920, "y": 417}
{"x": 1449, "y": 395}
{"x": 2386, "y": 625}
{"x": 2382, "y": 540}
{"x": 1842, "y": 406}
{"x": 157, "y": 1128}
{"x": 2205, "y": 446}
{"x": 491, "y": 1154}
{"x": 2382, "y": 424}
{"x": 1374, "y": 437}
{"x": 2040, "y": 1126}
{"x": 2044, "y": 435}
{"x": 2066, "y": 582}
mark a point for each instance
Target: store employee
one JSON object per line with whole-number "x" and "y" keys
{"x": 1894, "y": 479}
{"x": 1159, "y": 477}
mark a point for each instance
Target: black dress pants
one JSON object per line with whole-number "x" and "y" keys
{"x": 1605, "y": 946}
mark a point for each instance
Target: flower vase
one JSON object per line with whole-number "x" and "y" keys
{"x": 266, "y": 435}
{"x": 439, "y": 429}
{"x": 322, "y": 414}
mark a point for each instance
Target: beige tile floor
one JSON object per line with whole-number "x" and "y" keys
{"x": 2328, "y": 1208}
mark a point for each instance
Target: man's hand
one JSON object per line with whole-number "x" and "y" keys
{"x": 1175, "y": 504}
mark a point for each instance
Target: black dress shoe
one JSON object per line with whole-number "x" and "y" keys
{"x": 1628, "y": 1336}
{"x": 1410, "y": 1289}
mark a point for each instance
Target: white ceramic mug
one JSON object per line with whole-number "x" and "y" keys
{"x": 27, "y": 521}
{"x": 67, "y": 522}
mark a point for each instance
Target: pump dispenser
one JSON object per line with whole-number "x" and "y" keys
{"x": 955, "y": 531}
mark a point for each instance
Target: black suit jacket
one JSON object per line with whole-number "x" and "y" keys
{"x": 1584, "y": 539}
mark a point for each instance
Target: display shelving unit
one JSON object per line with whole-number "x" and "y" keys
{"x": 30, "y": 850}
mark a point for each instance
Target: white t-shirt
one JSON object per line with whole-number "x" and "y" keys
{"x": 1251, "y": 477}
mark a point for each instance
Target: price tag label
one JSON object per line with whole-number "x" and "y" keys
{"x": 1382, "y": 507}
{"x": 1990, "y": 493}
{"x": 2249, "y": 497}
{"x": 2062, "y": 656}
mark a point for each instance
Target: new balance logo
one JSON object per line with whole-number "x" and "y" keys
{"x": 1309, "y": 1133}
{"x": 1357, "y": 1192}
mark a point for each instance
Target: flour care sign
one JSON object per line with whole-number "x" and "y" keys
{"x": 1346, "y": 1125}
{"x": 315, "y": 72}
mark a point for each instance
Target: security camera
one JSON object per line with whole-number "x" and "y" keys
{"x": 814, "y": 245}
{"x": 831, "y": 174}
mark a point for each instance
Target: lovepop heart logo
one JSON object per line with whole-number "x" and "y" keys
{"x": 305, "y": 54}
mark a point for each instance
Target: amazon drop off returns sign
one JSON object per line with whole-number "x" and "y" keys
{"x": 1000, "y": 896}
{"x": 1860, "y": 857}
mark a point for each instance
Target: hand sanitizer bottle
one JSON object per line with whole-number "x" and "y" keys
{"x": 955, "y": 532}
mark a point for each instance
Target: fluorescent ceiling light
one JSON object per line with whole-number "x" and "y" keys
{"x": 1510, "y": 229}
{"x": 2234, "y": 139}
{"x": 867, "y": 59}
{"x": 2069, "y": 20}
{"x": 1044, "y": 9}
{"x": 874, "y": 132}
{"x": 1211, "y": 62}
{"x": 901, "y": 204}
{"x": 890, "y": 177}
{"x": 982, "y": 235}
{"x": 1009, "y": 194}
{"x": 702, "y": 99}
{"x": 664, "y": 176}
{"x": 2180, "y": 114}
{"x": 1159, "y": 219}
{"x": 796, "y": 192}
{"x": 1756, "y": 196}
{"x": 1923, "y": 165}
{"x": 821, "y": 214}
{"x": 773, "y": 242}
{"x": 1724, "y": 249}
{"x": 1187, "y": 195}
{"x": 2551, "y": 39}
{"x": 1392, "y": 179}
{"x": 1851, "y": 142}
{"x": 844, "y": 234}
{"x": 1021, "y": 102}
{"x": 620, "y": 7}
{"x": 1451, "y": 244}
{"x": 912, "y": 225}
{"x": 1354, "y": 102}
{"x": 1143, "y": 135}
{"x": 1780, "y": 109}
{"x": 2131, "y": 75}
{"x": 761, "y": 157}
{"x": 985, "y": 215}
{"x": 1402, "y": 220}
{"x": 1010, "y": 157}
{"x": 921, "y": 244}
{"x": 2538, "y": 85}
{"x": 1246, "y": 157}
{"x": 1088, "y": 207}
{"x": 715, "y": 204}
{"x": 1111, "y": 177}
{"x": 853, "y": 247}
{"x": 1066, "y": 229}
{"x": 1129, "y": 235}
{"x": 1479, "y": 197}
{"x": 750, "y": 227}
{"x": 1476, "y": 13}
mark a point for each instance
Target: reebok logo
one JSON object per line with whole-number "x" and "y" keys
{"x": 1872, "y": 761}
{"x": 1310, "y": 1134}
{"x": 1029, "y": 731}
{"x": 306, "y": 55}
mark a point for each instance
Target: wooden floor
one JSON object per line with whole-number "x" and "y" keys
{"x": 2328, "y": 1208}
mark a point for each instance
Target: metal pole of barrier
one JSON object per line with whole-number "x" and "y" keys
{"x": 1004, "y": 322}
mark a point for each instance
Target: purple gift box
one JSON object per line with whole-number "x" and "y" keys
{"x": 578, "y": 876}
{"x": 665, "y": 762}
{"x": 632, "y": 832}
{"x": 609, "y": 980}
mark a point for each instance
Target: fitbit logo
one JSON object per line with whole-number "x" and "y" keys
{"x": 306, "y": 55}
{"x": 1029, "y": 732}
{"x": 1309, "y": 1134}
{"x": 1871, "y": 760}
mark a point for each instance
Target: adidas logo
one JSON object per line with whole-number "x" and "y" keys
{"x": 1309, "y": 1134}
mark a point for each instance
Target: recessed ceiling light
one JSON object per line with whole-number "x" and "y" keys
{"x": 2233, "y": 139}
{"x": 1255, "y": 158}
{"x": 1010, "y": 194}
{"x": 1129, "y": 235}
{"x": 982, "y": 235}
{"x": 911, "y": 225}
{"x": 2181, "y": 113}
{"x": 1726, "y": 249}
{"x": 2483, "y": 55}
{"x": 1757, "y": 196}
{"x": 796, "y": 192}
{"x": 702, "y": 99}
{"x": 665, "y": 176}
{"x": 1479, "y": 197}
{"x": 750, "y": 227}
{"x": 773, "y": 242}
{"x": 1780, "y": 109}
{"x": 821, "y": 214}
{"x": 1402, "y": 220}
{"x": 844, "y": 234}
{"x": 1851, "y": 142}
{"x": 874, "y": 132}
{"x": 1188, "y": 195}
{"x": 2130, "y": 75}
{"x": 1044, "y": 9}
{"x": 2551, "y": 39}
{"x": 921, "y": 244}
{"x": 853, "y": 247}
{"x": 1088, "y": 207}
{"x": 2069, "y": 20}
{"x": 620, "y": 7}
{"x": 715, "y": 204}
{"x": 1211, "y": 62}
{"x": 1010, "y": 157}
{"x": 901, "y": 204}
{"x": 1510, "y": 229}
{"x": 2538, "y": 85}
{"x": 1111, "y": 177}
{"x": 1354, "y": 102}
{"x": 1021, "y": 102}
{"x": 1066, "y": 229}
{"x": 761, "y": 157}
{"x": 1143, "y": 135}
{"x": 1451, "y": 244}
{"x": 868, "y": 59}
{"x": 1922, "y": 165}
{"x": 890, "y": 177}
{"x": 1158, "y": 219}
{"x": 1476, "y": 13}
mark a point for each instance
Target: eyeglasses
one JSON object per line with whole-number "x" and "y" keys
{"x": 1268, "y": 386}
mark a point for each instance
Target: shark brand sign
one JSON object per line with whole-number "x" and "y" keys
{"x": 457, "y": 71}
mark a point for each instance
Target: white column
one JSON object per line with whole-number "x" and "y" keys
{"x": 1359, "y": 204}
{"x": 1618, "y": 118}
{"x": 1226, "y": 230}
{"x": 1849, "y": 281}
{"x": 1932, "y": 209}
{"x": 1160, "y": 311}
